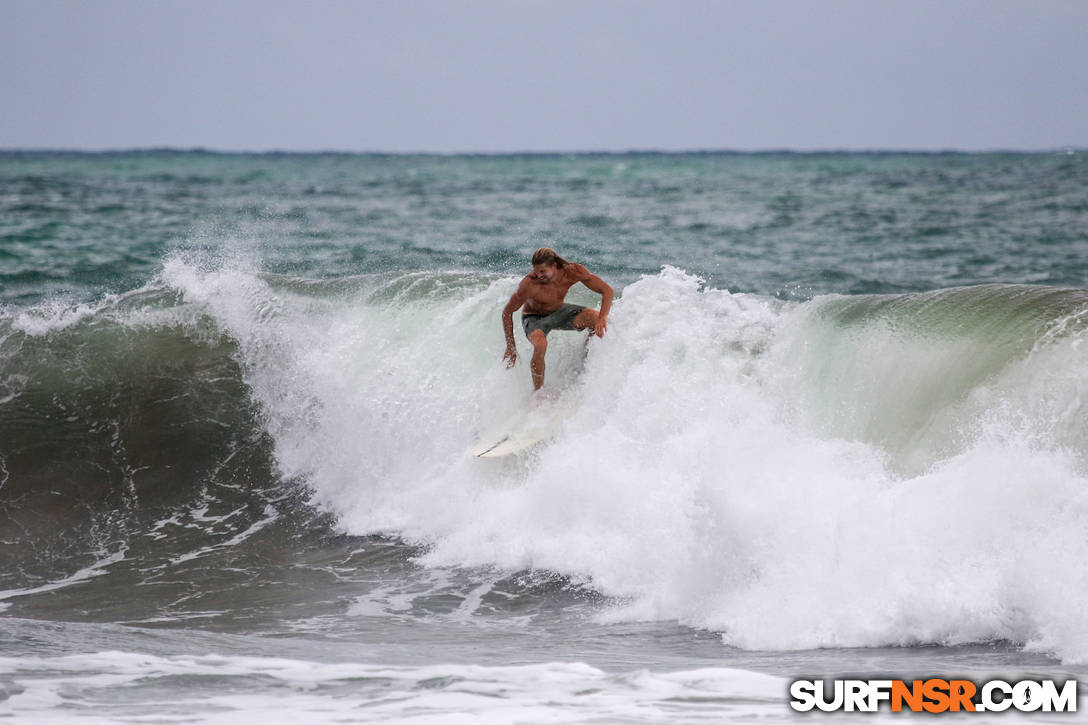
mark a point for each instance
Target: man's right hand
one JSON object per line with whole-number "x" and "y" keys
{"x": 510, "y": 356}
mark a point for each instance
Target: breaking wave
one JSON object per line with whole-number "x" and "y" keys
{"x": 846, "y": 471}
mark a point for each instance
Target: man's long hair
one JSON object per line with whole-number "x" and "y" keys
{"x": 547, "y": 255}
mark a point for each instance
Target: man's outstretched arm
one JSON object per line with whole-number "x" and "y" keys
{"x": 516, "y": 301}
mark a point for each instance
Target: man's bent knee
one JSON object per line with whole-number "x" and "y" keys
{"x": 585, "y": 319}
{"x": 539, "y": 340}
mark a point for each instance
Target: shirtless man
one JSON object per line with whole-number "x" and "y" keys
{"x": 542, "y": 292}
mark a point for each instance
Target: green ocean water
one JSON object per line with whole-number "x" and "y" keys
{"x": 784, "y": 224}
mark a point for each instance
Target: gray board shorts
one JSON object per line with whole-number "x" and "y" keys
{"x": 561, "y": 319}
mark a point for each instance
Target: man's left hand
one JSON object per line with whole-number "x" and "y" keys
{"x": 601, "y": 326}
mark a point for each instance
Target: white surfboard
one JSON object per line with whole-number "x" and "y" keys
{"x": 524, "y": 430}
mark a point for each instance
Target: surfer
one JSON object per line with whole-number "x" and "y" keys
{"x": 542, "y": 293}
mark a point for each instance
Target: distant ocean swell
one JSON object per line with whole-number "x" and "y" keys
{"x": 849, "y": 471}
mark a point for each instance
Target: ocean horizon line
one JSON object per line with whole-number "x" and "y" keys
{"x": 633, "y": 152}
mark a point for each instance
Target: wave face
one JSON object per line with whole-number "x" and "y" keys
{"x": 115, "y": 416}
{"x": 848, "y": 471}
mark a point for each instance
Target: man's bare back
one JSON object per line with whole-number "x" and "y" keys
{"x": 542, "y": 293}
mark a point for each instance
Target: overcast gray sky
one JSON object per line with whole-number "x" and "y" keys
{"x": 536, "y": 75}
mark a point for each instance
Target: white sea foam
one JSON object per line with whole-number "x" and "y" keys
{"x": 98, "y": 568}
{"x": 731, "y": 462}
{"x": 59, "y": 314}
{"x": 113, "y": 687}
{"x": 270, "y": 515}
